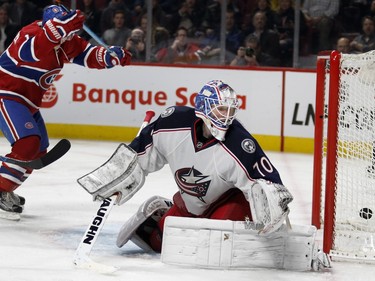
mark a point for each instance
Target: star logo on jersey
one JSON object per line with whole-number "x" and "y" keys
{"x": 192, "y": 182}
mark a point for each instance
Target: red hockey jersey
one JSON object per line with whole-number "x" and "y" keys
{"x": 31, "y": 63}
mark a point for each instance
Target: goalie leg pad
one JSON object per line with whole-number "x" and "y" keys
{"x": 153, "y": 208}
{"x": 121, "y": 174}
{"x": 221, "y": 244}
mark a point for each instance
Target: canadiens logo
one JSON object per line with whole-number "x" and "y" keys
{"x": 192, "y": 182}
{"x": 167, "y": 112}
{"x": 46, "y": 80}
{"x": 50, "y": 97}
{"x": 248, "y": 145}
{"x": 29, "y": 125}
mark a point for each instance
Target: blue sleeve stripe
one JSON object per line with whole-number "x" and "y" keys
{"x": 26, "y": 50}
{"x": 81, "y": 59}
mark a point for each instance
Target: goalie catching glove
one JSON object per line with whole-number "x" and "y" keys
{"x": 114, "y": 56}
{"x": 120, "y": 175}
{"x": 63, "y": 25}
{"x": 269, "y": 204}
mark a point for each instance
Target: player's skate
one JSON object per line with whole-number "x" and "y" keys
{"x": 11, "y": 205}
{"x": 17, "y": 199}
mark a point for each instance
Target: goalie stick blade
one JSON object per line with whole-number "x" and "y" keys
{"x": 51, "y": 156}
{"x": 89, "y": 264}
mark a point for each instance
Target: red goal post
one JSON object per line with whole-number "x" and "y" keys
{"x": 344, "y": 155}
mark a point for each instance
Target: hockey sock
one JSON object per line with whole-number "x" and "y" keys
{"x": 11, "y": 175}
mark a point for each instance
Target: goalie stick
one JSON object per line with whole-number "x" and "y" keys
{"x": 51, "y": 156}
{"x": 81, "y": 257}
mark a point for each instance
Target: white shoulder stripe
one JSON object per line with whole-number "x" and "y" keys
{"x": 33, "y": 50}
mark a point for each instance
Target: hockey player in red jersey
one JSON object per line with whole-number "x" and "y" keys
{"x": 27, "y": 69}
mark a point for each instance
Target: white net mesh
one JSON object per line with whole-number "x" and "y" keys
{"x": 354, "y": 228}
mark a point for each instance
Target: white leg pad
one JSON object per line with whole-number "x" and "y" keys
{"x": 210, "y": 243}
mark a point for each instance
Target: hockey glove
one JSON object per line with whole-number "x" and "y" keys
{"x": 116, "y": 56}
{"x": 61, "y": 28}
{"x": 121, "y": 175}
{"x": 269, "y": 204}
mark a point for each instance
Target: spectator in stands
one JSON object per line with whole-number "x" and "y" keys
{"x": 265, "y": 7}
{"x": 160, "y": 43}
{"x": 234, "y": 36}
{"x": 209, "y": 45}
{"x": 211, "y": 16}
{"x": 247, "y": 9}
{"x": 251, "y": 54}
{"x": 136, "y": 45}
{"x": 92, "y": 18}
{"x": 320, "y": 15}
{"x": 23, "y": 12}
{"x": 119, "y": 34}
{"x": 142, "y": 23}
{"x": 181, "y": 51}
{"x": 284, "y": 21}
{"x": 106, "y": 19}
{"x": 268, "y": 38}
{"x": 343, "y": 45}
{"x": 366, "y": 40}
{"x": 371, "y": 10}
{"x": 7, "y": 30}
{"x": 349, "y": 17}
{"x": 136, "y": 10}
{"x": 159, "y": 17}
{"x": 189, "y": 15}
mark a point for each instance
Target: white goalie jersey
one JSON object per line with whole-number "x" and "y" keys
{"x": 203, "y": 169}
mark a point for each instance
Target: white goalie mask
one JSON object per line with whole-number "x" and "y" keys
{"x": 217, "y": 105}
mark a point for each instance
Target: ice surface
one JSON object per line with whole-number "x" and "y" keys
{"x": 41, "y": 245}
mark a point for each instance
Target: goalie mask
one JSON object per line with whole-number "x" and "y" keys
{"x": 217, "y": 105}
{"x": 51, "y": 12}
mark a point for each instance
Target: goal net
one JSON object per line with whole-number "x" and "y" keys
{"x": 344, "y": 155}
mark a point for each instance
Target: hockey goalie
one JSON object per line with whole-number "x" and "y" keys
{"x": 231, "y": 207}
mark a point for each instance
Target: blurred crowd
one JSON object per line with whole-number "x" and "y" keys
{"x": 257, "y": 32}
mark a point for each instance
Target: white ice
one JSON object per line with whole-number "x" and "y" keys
{"x": 41, "y": 245}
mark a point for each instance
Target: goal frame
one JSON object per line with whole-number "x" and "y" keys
{"x": 329, "y": 213}
{"x": 343, "y": 179}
